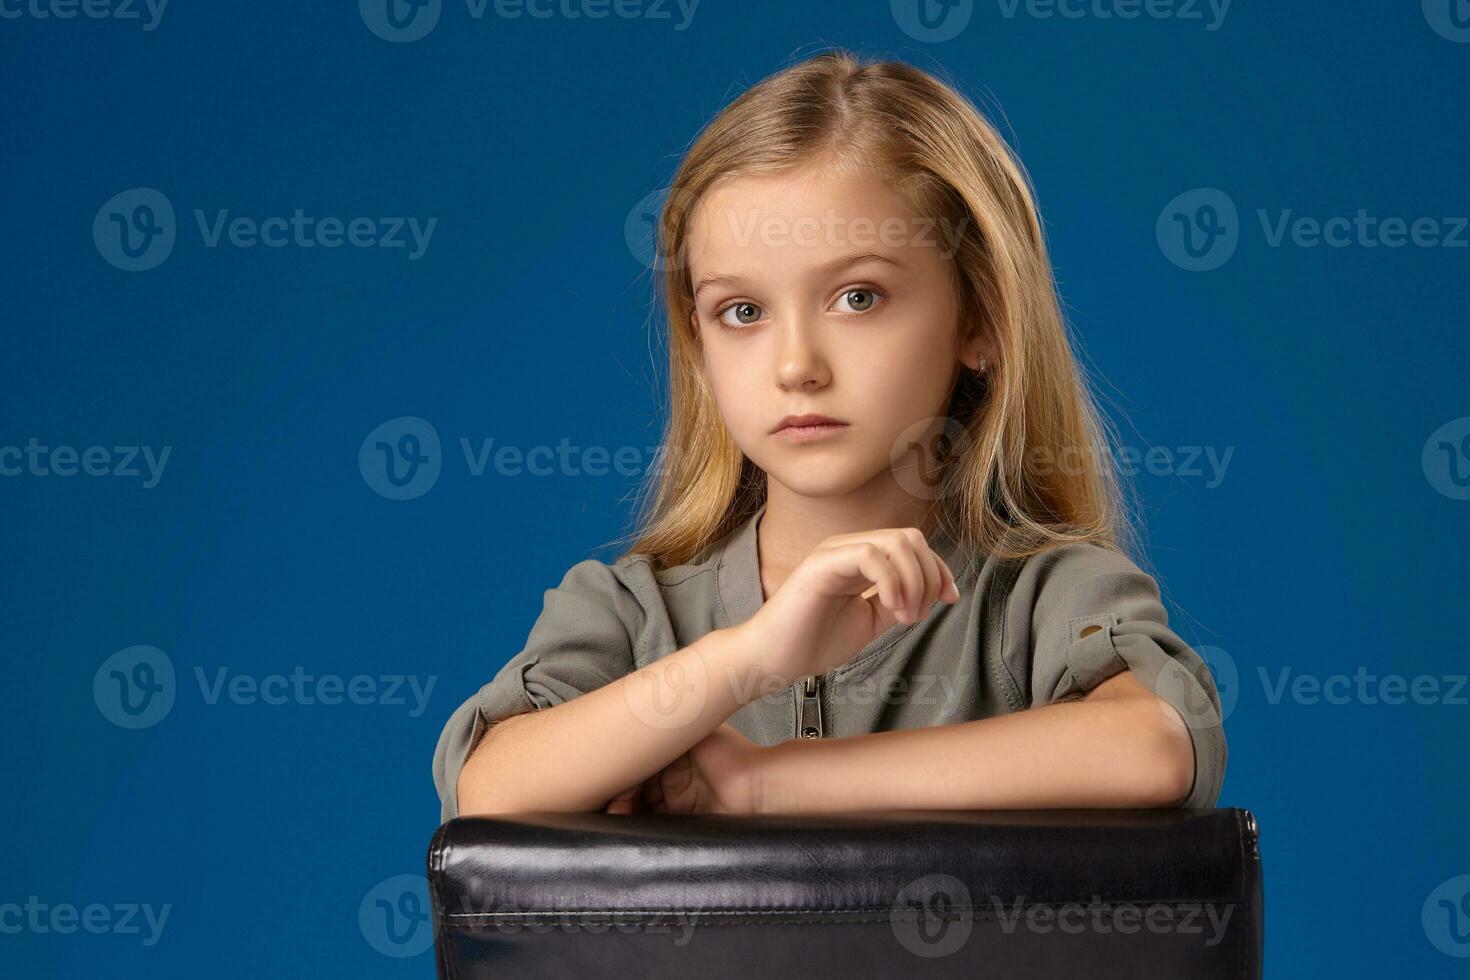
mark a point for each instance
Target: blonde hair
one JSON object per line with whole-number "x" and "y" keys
{"x": 1011, "y": 492}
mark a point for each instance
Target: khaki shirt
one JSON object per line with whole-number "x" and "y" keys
{"x": 1026, "y": 632}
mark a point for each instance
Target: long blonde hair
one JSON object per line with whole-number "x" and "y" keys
{"x": 1036, "y": 470}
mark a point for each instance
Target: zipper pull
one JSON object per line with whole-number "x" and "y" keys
{"x": 810, "y": 723}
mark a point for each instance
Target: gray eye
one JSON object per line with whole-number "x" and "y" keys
{"x": 860, "y": 300}
{"x": 745, "y": 314}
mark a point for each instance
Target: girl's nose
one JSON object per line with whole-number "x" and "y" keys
{"x": 801, "y": 361}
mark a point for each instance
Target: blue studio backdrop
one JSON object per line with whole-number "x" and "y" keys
{"x": 247, "y": 245}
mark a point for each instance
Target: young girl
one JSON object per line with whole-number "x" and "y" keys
{"x": 886, "y": 561}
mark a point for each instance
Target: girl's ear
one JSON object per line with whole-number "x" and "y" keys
{"x": 972, "y": 355}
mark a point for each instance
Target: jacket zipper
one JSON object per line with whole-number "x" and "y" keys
{"x": 809, "y": 716}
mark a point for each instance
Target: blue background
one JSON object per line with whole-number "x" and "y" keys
{"x": 1327, "y": 546}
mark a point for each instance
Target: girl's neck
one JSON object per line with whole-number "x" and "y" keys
{"x": 791, "y": 527}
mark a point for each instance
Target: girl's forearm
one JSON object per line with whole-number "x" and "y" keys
{"x": 574, "y": 757}
{"x": 1105, "y": 752}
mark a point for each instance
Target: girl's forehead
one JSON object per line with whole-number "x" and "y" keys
{"x": 811, "y": 192}
{"x": 795, "y": 221}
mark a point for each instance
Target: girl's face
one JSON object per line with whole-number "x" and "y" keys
{"x": 822, "y": 293}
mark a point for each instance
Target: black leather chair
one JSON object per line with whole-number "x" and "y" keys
{"x": 1009, "y": 894}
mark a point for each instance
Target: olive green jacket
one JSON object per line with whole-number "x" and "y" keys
{"x": 1024, "y": 632}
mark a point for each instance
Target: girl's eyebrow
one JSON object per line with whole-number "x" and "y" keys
{"x": 826, "y": 269}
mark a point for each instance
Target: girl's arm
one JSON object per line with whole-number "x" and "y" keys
{"x": 578, "y": 755}
{"x": 1120, "y": 746}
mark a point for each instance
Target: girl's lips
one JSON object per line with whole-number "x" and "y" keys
{"x": 809, "y": 433}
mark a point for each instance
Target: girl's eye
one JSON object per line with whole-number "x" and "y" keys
{"x": 745, "y": 314}
{"x": 858, "y": 300}
{"x": 861, "y": 299}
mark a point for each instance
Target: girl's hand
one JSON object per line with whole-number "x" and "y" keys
{"x": 719, "y": 774}
{"x": 850, "y": 590}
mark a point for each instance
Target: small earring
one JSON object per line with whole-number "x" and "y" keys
{"x": 981, "y": 368}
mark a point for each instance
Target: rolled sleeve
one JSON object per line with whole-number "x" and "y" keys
{"x": 583, "y": 638}
{"x": 1097, "y": 614}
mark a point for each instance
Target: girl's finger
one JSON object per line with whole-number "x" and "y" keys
{"x": 624, "y": 802}
{"x": 872, "y": 563}
{"x": 951, "y": 592}
{"x": 929, "y": 561}
{"x": 901, "y": 552}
